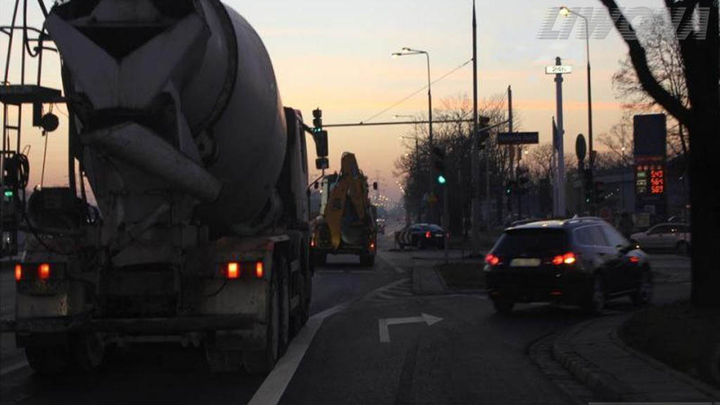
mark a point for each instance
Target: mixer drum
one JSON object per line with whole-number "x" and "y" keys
{"x": 179, "y": 97}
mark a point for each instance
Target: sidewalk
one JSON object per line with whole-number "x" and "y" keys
{"x": 596, "y": 356}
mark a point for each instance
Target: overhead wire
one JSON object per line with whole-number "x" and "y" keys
{"x": 418, "y": 91}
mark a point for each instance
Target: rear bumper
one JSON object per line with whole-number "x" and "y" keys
{"x": 571, "y": 289}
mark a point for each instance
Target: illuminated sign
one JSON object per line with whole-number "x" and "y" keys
{"x": 650, "y": 179}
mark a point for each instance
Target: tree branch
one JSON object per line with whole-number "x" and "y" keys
{"x": 640, "y": 62}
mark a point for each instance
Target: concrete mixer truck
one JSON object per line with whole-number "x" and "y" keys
{"x": 200, "y": 175}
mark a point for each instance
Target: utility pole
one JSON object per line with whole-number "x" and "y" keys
{"x": 560, "y": 210}
{"x": 475, "y": 158}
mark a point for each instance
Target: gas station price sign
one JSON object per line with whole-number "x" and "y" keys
{"x": 650, "y": 179}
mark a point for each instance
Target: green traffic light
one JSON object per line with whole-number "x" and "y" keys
{"x": 441, "y": 179}
{"x": 9, "y": 193}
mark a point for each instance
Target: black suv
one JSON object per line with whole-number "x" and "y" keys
{"x": 580, "y": 261}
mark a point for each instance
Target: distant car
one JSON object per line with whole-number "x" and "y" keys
{"x": 670, "y": 236}
{"x": 420, "y": 236}
{"x": 380, "y": 222}
{"x": 582, "y": 261}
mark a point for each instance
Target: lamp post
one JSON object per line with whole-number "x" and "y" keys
{"x": 413, "y": 52}
{"x": 566, "y": 11}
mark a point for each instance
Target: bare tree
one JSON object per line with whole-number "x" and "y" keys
{"x": 665, "y": 60}
{"x": 700, "y": 114}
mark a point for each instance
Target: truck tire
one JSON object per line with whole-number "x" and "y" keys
{"x": 367, "y": 260}
{"x": 88, "y": 350}
{"x": 47, "y": 360}
{"x": 263, "y": 361}
{"x": 222, "y": 361}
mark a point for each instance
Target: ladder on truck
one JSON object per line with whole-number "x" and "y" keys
{"x": 13, "y": 159}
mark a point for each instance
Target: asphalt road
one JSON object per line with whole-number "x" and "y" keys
{"x": 434, "y": 349}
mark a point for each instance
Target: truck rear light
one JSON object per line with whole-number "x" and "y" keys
{"x": 568, "y": 259}
{"x": 18, "y": 272}
{"x": 259, "y": 270}
{"x": 233, "y": 271}
{"x": 44, "y": 271}
{"x": 492, "y": 260}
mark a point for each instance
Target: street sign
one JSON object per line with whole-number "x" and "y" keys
{"x": 519, "y": 138}
{"x": 558, "y": 70}
{"x": 581, "y": 148}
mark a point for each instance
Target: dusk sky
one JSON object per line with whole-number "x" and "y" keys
{"x": 336, "y": 55}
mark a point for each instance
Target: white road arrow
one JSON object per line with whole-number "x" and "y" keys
{"x": 384, "y": 324}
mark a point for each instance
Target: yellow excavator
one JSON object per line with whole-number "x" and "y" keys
{"x": 346, "y": 224}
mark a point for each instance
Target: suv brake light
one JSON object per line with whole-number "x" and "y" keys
{"x": 568, "y": 259}
{"x": 428, "y": 235}
{"x": 492, "y": 260}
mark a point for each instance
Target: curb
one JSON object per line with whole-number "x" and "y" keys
{"x": 603, "y": 384}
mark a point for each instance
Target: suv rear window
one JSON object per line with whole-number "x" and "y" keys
{"x": 532, "y": 242}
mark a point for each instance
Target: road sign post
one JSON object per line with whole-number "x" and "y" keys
{"x": 559, "y": 70}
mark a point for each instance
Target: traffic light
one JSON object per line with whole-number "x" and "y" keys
{"x": 511, "y": 187}
{"x": 599, "y": 191}
{"x": 317, "y": 120}
{"x": 438, "y": 155}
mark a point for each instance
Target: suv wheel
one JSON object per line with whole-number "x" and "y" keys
{"x": 595, "y": 303}
{"x": 644, "y": 291}
{"x": 503, "y": 305}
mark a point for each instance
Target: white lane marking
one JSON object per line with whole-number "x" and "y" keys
{"x": 273, "y": 388}
{"x": 392, "y": 264}
{"x": 384, "y": 324}
{"x": 14, "y": 367}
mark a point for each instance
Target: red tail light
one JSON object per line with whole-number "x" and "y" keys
{"x": 428, "y": 235}
{"x": 233, "y": 271}
{"x": 492, "y": 260}
{"x": 44, "y": 271}
{"x": 568, "y": 258}
{"x": 18, "y": 272}
{"x": 634, "y": 259}
{"x": 259, "y": 270}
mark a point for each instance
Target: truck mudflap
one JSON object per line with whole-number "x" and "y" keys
{"x": 149, "y": 326}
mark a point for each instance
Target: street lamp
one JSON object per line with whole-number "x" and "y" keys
{"x": 566, "y": 11}
{"x": 412, "y": 52}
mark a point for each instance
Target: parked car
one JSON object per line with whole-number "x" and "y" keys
{"x": 581, "y": 261}
{"x": 670, "y": 236}
{"x": 420, "y": 236}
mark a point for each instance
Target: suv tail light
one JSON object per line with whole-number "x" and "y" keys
{"x": 428, "y": 235}
{"x": 492, "y": 260}
{"x": 566, "y": 259}
{"x": 18, "y": 272}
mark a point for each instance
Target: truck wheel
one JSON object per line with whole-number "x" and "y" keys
{"x": 263, "y": 361}
{"x": 47, "y": 360}
{"x": 222, "y": 361}
{"x": 88, "y": 350}
{"x": 367, "y": 260}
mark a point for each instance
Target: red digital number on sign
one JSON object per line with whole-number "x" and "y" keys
{"x": 657, "y": 181}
